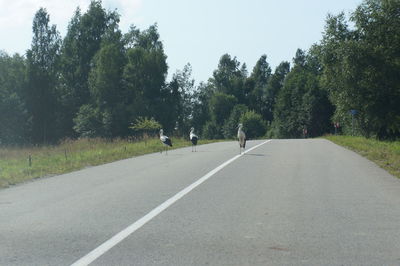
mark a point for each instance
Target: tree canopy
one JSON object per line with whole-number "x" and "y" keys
{"x": 97, "y": 80}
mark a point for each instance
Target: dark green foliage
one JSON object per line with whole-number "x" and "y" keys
{"x": 83, "y": 40}
{"x": 181, "y": 100}
{"x": 302, "y": 103}
{"x": 231, "y": 124}
{"x": 93, "y": 122}
{"x": 253, "y": 125}
{"x": 144, "y": 75}
{"x": 97, "y": 81}
{"x": 318, "y": 110}
{"x": 289, "y": 115}
{"x": 221, "y": 105}
{"x": 106, "y": 88}
{"x": 42, "y": 73}
{"x": 14, "y": 118}
{"x": 212, "y": 131}
{"x": 89, "y": 122}
{"x": 105, "y": 77}
{"x": 257, "y": 86}
{"x": 362, "y": 65}
{"x": 200, "y": 101}
{"x": 274, "y": 85}
{"x": 229, "y": 79}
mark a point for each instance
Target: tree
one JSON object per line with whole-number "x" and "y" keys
{"x": 221, "y": 105}
{"x": 317, "y": 107}
{"x": 211, "y": 130}
{"x": 42, "y": 73}
{"x": 361, "y": 66}
{"x": 274, "y": 85}
{"x": 302, "y": 102}
{"x": 231, "y": 124}
{"x": 256, "y": 92}
{"x": 229, "y": 79}
{"x": 88, "y": 122}
{"x": 145, "y": 73}
{"x": 105, "y": 83}
{"x": 72, "y": 90}
{"x": 14, "y": 118}
{"x": 105, "y": 77}
{"x": 253, "y": 125}
{"x": 81, "y": 43}
{"x": 181, "y": 99}
{"x": 200, "y": 105}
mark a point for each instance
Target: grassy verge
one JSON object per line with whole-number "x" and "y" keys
{"x": 70, "y": 156}
{"x": 385, "y": 154}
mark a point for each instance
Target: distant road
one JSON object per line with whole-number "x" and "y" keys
{"x": 286, "y": 202}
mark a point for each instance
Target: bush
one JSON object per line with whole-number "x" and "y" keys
{"x": 273, "y": 131}
{"x": 88, "y": 122}
{"x": 230, "y": 127}
{"x": 253, "y": 125}
{"x": 146, "y": 126}
{"x": 211, "y": 131}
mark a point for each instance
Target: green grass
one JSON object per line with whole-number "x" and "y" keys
{"x": 384, "y": 153}
{"x": 70, "y": 156}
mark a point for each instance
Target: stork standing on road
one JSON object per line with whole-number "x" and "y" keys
{"x": 165, "y": 140}
{"x": 193, "y": 139}
{"x": 241, "y": 138}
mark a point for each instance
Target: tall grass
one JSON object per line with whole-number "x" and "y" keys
{"x": 71, "y": 155}
{"x": 384, "y": 153}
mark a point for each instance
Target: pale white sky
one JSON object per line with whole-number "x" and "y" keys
{"x": 196, "y": 32}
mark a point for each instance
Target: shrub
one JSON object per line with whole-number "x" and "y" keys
{"x": 88, "y": 122}
{"x": 253, "y": 124}
{"x": 211, "y": 131}
{"x": 146, "y": 126}
{"x": 230, "y": 127}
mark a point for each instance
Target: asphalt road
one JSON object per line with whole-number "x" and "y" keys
{"x": 286, "y": 202}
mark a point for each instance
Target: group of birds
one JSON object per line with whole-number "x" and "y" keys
{"x": 194, "y": 138}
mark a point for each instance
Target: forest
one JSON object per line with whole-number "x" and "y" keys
{"x": 98, "y": 82}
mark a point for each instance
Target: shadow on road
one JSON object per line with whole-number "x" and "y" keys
{"x": 255, "y": 154}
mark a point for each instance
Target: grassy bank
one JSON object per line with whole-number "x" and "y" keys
{"x": 385, "y": 154}
{"x": 15, "y": 166}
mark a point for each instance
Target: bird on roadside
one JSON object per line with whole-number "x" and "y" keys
{"x": 165, "y": 140}
{"x": 193, "y": 138}
{"x": 241, "y": 138}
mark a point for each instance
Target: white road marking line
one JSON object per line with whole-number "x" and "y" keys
{"x": 103, "y": 248}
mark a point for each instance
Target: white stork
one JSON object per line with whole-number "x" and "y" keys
{"x": 193, "y": 139}
{"x": 165, "y": 140}
{"x": 241, "y": 138}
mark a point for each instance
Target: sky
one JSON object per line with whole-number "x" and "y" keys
{"x": 195, "y": 32}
